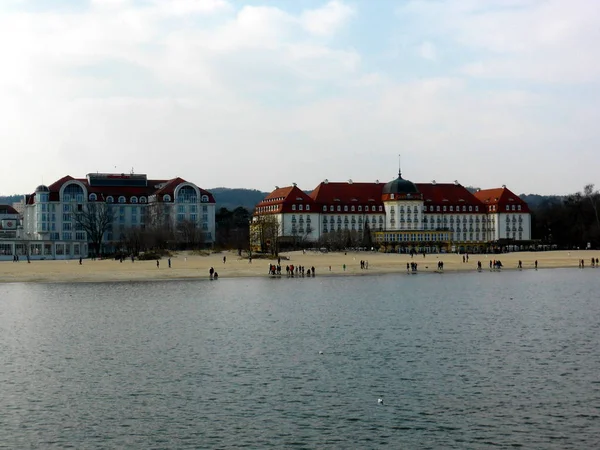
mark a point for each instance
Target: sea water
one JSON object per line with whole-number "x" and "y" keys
{"x": 461, "y": 360}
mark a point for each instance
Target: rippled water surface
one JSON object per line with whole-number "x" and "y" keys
{"x": 461, "y": 360}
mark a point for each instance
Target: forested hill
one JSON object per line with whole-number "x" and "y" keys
{"x": 10, "y": 199}
{"x": 232, "y": 198}
{"x": 535, "y": 201}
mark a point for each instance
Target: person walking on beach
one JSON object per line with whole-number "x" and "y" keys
{"x": 169, "y": 262}
{"x": 80, "y": 259}
{"x": 211, "y": 272}
{"x": 224, "y": 259}
{"x": 157, "y": 264}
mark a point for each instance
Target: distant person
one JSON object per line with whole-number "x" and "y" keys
{"x": 157, "y": 264}
{"x": 80, "y": 260}
{"x": 224, "y": 259}
{"x": 535, "y": 264}
{"x": 211, "y": 272}
{"x": 169, "y": 262}
{"x": 216, "y": 275}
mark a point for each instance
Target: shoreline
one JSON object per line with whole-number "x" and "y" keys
{"x": 186, "y": 266}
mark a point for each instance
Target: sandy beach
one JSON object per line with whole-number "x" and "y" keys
{"x": 187, "y": 266}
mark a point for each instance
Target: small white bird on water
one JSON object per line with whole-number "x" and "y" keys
{"x": 380, "y": 401}
{"x": 320, "y": 352}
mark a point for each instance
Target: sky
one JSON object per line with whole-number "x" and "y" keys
{"x": 258, "y": 94}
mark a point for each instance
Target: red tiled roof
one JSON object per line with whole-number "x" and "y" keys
{"x": 282, "y": 199}
{"x": 332, "y": 193}
{"x": 364, "y": 194}
{"x": 496, "y": 199}
{"x": 447, "y": 194}
{"x": 117, "y": 191}
{"x": 7, "y": 209}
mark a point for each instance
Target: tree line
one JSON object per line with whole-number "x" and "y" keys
{"x": 568, "y": 222}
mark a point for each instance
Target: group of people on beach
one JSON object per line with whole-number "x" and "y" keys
{"x": 212, "y": 273}
{"x": 291, "y": 270}
{"x": 594, "y": 263}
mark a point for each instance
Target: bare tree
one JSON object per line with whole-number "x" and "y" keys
{"x": 592, "y": 196}
{"x": 264, "y": 233}
{"x": 188, "y": 234}
{"x": 94, "y": 218}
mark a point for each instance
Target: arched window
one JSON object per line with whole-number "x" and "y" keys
{"x": 122, "y": 199}
{"x": 204, "y": 198}
{"x": 293, "y": 207}
{"x": 72, "y": 192}
{"x": 93, "y": 197}
{"x": 324, "y": 207}
{"x": 110, "y": 199}
{"x": 166, "y": 198}
{"x": 142, "y": 199}
{"x": 187, "y": 194}
{"x": 133, "y": 199}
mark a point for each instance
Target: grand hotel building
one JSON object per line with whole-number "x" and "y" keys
{"x": 400, "y": 214}
{"x": 49, "y": 230}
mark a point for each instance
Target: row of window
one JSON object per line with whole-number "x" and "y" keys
{"x": 122, "y": 199}
{"x": 352, "y": 208}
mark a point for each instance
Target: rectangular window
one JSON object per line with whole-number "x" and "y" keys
{"x": 204, "y": 208}
{"x": 67, "y": 236}
{"x": 194, "y": 217}
{"x": 66, "y": 217}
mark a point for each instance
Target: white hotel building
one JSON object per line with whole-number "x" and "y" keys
{"x": 49, "y": 231}
{"x": 400, "y": 215}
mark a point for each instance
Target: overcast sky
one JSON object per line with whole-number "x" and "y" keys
{"x": 261, "y": 93}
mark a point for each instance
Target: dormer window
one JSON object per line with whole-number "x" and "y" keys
{"x": 142, "y": 199}
{"x": 360, "y": 208}
{"x": 346, "y": 208}
{"x": 166, "y": 198}
{"x": 444, "y": 208}
{"x": 451, "y": 208}
{"x": 519, "y": 207}
{"x": 508, "y": 207}
{"x": 308, "y": 207}
{"x": 352, "y": 208}
{"x": 339, "y": 208}
{"x": 93, "y": 197}
{"x": 464, "y": 208}
{"x": 122, "y": 199}
{"x": 133, "y": 199}
{"x": 325, "y": 208}
{"x": 110, "y": 199}
{"x": 300, "y": 207}
{"x": 470, "y": 208}
{"x": 477, "y": 208}
{"x": 204, "y": 199}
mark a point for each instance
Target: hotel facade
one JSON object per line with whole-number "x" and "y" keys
{"x": 49, "y": 229}
{"x": 398, "y": 216}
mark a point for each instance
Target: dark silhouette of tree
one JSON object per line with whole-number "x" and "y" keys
{"x": 94, "y": 218}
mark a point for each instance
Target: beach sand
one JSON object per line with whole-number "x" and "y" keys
{"x": 187, "y": 266}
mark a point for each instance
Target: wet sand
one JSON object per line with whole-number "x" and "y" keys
{"x": 187, "y": 266}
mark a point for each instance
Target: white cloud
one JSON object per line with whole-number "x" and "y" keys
{"x": 211, "y": 96}
{"x": 328, "y": 19}
{"x": 427, "y": 51}
{"x": 546, "y": 41}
